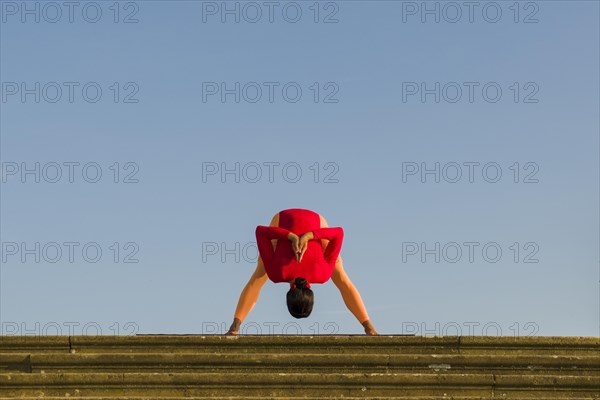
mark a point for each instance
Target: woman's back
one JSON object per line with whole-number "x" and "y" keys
{"x": 284, "y": 267}
{"x": 299, "y": 220}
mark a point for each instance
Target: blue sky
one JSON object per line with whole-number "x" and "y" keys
{"x": 517, "y": 92}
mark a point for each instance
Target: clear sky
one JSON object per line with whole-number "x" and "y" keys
{"x": 456, "y": 143}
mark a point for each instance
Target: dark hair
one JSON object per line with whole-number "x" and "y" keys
{"x": 300, "y": 300}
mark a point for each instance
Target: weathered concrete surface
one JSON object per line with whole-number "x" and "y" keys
{"x": 269, "y": 362}
{"x": 320, "y": 366}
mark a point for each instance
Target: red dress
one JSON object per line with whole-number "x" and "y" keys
{"x": 316, "y": 266}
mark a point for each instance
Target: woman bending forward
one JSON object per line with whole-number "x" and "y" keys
{"x": 298, "y": 247}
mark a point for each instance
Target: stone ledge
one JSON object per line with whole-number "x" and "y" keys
{"x": 301, "y": 366}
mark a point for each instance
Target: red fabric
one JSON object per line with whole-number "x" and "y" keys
{"x": 281, "y": 265}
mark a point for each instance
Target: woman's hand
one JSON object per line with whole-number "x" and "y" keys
{"x": 303, "y": 243}
{"x": 295, "y": 244}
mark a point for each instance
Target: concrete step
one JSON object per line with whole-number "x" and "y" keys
{"x": 296, "y": 398}
{"x": 330, "y": 344}
{"x": 298, "y": 384}
{"x": 268, "y": 362}
{"x": 301, "y": 366}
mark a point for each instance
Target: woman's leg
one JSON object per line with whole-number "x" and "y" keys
{"x": 251, "y": 291}
{"x": 349, "y": 293}
{"x": 249, "y": 295}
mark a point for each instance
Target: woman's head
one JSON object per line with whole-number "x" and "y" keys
{"x": 300, "y": 300}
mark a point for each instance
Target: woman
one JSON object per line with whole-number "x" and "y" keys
{"x": 299, "y": 247}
